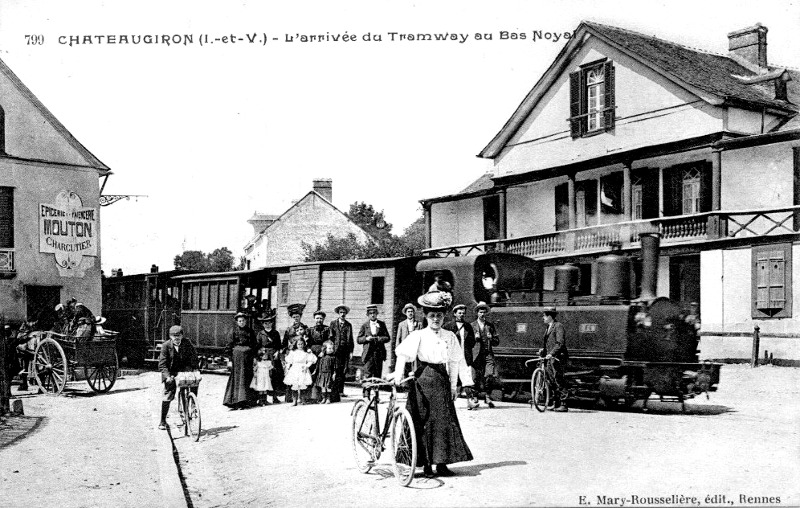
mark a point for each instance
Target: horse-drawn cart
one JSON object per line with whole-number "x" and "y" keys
{"x": 57, "y": 357}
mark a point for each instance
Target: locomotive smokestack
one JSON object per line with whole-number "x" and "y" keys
{"x": 650, "y": 246}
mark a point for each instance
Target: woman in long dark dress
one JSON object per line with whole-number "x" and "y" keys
{"x": 430, "y": 401}
{"x": 269, "y": 340}
{"x": 241, "y": 349}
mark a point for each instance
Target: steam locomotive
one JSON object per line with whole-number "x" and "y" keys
{"x": 621, "y": 349}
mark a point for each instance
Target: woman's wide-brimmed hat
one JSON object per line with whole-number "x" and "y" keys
{"x": 268, "y": 315}
{"x": 439, "y": 300}
{"x": 482, "y": 305}
{"x": 240, "y": 314}
{"x": 295, "y": 308}
{"x": 99, "y": 320}
{"x": 409, "y": 306}
{"x": 342, "y": 307}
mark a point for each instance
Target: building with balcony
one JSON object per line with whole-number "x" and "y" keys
{"x": 49, "y": 209}
{"x": 626, "y": 132}
{"x": 278, "y": 239}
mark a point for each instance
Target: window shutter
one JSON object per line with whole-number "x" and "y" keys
{"x": 6, "y": 218}
{"x": 762, "y": 280}
{"x": 673, "y": 191}
{"x": 575, "y": 104}
{"x": 705, "y": 187}
{"x": 777, "y": 281}
{"x": 608, "y": 115}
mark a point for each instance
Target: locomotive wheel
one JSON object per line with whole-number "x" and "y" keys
{"x": 101, "y": 377}
{"x": 50, "y": 366}
{"x": 540, "y": 390}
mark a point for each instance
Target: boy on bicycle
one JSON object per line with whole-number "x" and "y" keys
{"x": 177, "y": 355}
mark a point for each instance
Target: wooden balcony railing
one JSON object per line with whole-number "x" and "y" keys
{"x": 679, "y": 229}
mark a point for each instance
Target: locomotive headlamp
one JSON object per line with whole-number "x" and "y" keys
{"x": 643, "y": 319}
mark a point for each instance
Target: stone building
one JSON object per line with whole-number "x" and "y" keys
{"x": 278, "y": 238}
{"x": 627, "y": 132}
{"x": 49, "y": 208}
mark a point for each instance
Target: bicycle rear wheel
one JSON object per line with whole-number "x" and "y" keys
{"x": 540, "y": 390}
{"x": 192, "y": 411}
{"x": 404, "y": 446}
{"x": 365, "y": 435}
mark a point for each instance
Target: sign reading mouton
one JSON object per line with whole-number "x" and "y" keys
{"x": 68, "y": 230}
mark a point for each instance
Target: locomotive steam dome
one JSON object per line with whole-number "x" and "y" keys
{"x": 613, "y": 276}
{"x": 566, "y": 278}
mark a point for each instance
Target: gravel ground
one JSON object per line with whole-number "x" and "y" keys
{"x": 90, "y": 450}
{"x": 741, "y": 442}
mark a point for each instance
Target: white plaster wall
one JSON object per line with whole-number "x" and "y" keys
{"x": 758, "y": 177}
{"x": 650, "y": 110}
{"x": 712, "y": 292}
{"x": 530, "y": 209}
{"x": 308, "y": 221}
{"x": 36, "y": 183}
{"x": 742, "y": 120}
{"x": 457, "y": 222}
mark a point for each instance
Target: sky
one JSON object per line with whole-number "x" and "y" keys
{"x": 212, "y": 133}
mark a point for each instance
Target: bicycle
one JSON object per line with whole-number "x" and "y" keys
{"x": 369, "y": 441}
{"x": 188, "y": 408}
{"x": 542, "y": 380}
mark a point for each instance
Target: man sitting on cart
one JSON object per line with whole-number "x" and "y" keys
{"x": 177, "y": 355}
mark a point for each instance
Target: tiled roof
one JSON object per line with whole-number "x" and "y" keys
{"x": 706, "y": 71}
{"x": 483, "y": 183}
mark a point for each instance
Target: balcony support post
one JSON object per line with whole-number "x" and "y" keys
{"x": 627, "y": 202}
{"x": 501, "y": 246}
{"x": 571, "y": 200}
{"x": 796, "y": 199}
{"x": 716, "y": 226}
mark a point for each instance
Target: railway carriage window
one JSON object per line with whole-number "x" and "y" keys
{"x": 213, "y": 296}
{"x": 223, "y": 296}
{"x": 378, "y": 284}
{"x": 284, "y": 293}
{"x": 203, "y": 296}
{"x": 195, "y": 296}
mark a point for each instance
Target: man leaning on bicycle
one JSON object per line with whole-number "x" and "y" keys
{"x": 177, "y": 355}
{"x": 554, "y": 343}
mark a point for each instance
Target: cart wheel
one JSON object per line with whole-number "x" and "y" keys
{"x": 540, "y": 390}
{"x": 101, "y": 377}
{"x": 50, "y": 366}
{"x": 192, "y": 412}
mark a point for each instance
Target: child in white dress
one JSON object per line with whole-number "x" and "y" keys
{"x": 298, "y": 362}
{"x": 262, "y": 365}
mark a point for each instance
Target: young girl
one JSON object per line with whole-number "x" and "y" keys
{"x": 325, "y": 371}
{"x": 297, "y": 362}
{"x": 262, "y": 365}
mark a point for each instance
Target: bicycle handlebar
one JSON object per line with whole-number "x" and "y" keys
{"x": 373, "y": 382}
{"x": 540, "y": 359}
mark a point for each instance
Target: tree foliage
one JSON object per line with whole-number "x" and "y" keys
{"x": 220, "y": 260}
{"x": 386, "y": 245}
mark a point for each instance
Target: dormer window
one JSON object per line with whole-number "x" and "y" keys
{"x": 592, "y": 99}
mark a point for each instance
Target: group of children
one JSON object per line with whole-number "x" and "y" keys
{"x": 297, "y": 364}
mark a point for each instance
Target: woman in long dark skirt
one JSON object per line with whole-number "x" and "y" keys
{"x": 241, "y": 349}
{"x": 430, "y": 401}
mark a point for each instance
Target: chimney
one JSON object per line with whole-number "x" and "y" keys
{"x": 750, "y": 45}
{"x": 324, "y": 187}
{"x": 153, "y": 268}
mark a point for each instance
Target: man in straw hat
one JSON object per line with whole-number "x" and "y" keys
{"x": 484, "y": 369}
{"x": 373, "y": 335}
{"x": 404, "y": 328}
{"x": 554, "y": 344}
{"x": 341, "y": 331}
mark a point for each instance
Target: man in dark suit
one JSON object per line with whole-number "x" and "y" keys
{"x": 466, "y": 337}
{"x": 484, "y": 369}
{"x": 177, "y": 355}
{"x": 295, "y": 311}
{"x": 373, "y": 335}
{"x": 554, "y": 344}
{"x": 341, "y": 332}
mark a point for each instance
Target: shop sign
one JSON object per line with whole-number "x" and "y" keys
{"x": 68, "y": 230}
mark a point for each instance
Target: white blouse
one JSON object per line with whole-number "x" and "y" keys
{"x": 440, "y": 346}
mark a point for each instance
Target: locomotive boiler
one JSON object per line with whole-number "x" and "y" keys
{"x": 621, "y": 348}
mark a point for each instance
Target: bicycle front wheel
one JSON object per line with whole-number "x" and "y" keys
{"x": 540, "y": 390}
{"x": 365, "y": 435}
{"x": 404, "y": 446}
{"x": 193, "y": 422}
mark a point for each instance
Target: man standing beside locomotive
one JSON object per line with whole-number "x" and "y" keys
{"x": 556, "y": 338}
{"x": 176, "y": 356}
{"x": 484, "y": 369}
{"x": 466, "y": 339}
{"x": 342, "y": 335}
{"x": 373, "y": 335}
